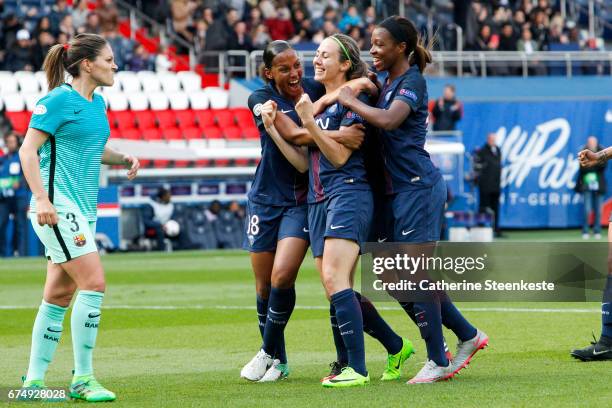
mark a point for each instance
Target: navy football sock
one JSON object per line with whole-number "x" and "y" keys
{"x": 280, "y": 307}
{"x": 409, "y": 309}
{"x": 454, "y": 320}
{"x": 262, "y": 313}
{"x": 350, "y": 324}
{"x": 377, "y": 327}
{"x": 429, "y": 322}
{"x": 341, "y": 353}
{"x": 606, "y": 310}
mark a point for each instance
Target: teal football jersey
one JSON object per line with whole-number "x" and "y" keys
{"x": 70, "y": 159}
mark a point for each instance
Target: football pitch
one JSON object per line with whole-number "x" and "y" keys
{"x": 177, "y": 328}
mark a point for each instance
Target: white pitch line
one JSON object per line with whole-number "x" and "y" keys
{"x": 222, "y": 307}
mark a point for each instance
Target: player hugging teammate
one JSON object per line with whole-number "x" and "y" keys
{"x": 340, "y": 200}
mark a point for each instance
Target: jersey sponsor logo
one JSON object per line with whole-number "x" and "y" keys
{"x": 381, "y": 240}
{"x": 306, "y": 230}
{"x": 333, "y": 108}
{"x": 404, "y": 233}
{"x": 40, "y": 110}
{"x": 388, "y": 96}
{"x": 408, "y": 94}
{"x": 335, "y": 227}
{"x": 321, "y": 124}
{"x": 53, "y": 330}
{"x": 79, "y": 240}
{"x": 52, "y": 338}
{"x": 257, "y": 109}
{"x": 77, "y": 111}
{"x": 93, "y": 315}
{"x": 286, "y": 111}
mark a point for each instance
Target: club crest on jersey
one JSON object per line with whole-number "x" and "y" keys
{"x": 40, "y": 110}
{"x": 251, "y": 239}
{"x": 352, "y": 115}
{"x": 257, "y": 109}
{"x": 408, "y": 94}
{"x": 79, "y": 240}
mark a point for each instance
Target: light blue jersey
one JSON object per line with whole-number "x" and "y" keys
{"x": 70, "y": 159}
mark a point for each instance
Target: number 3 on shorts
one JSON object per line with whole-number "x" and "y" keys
{"x": 253, "y": 227}
{"x": 72, "y": 218}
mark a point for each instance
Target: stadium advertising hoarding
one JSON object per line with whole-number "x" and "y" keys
{"x": 538, "y": 142}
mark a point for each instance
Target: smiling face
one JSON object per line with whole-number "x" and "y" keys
{"x": 385, "y": 50}
{"x": 102, "y": 69}
{"x": 327, "y": 62}
{"x": 286, "y": 72}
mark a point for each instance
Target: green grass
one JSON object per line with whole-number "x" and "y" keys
{"x": 192, "y": 355}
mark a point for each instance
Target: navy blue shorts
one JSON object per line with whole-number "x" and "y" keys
{"x": 346, "y": 214}
{"x": 266, "y": 225}
{"x": 381, "y": 229}
{"x": 418, "y": 214}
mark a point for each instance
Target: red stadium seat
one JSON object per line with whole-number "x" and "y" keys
{"x": 222, "y": 162}
{"x": 125, "y": 119}
{"x": 165, "y": 119}
{"x": 232, "y": 133}
{"x": 19, "y": 120}
{"x": 212, "y": 132}
{"x": 172, "y": 134}
{"x": 130, "y": 134}
{"x": 115, "y": 134}
{"x": 181, "y": 163}
{"x": 241, "y": 162}
{"x": 192, "y": 133}
{"x": 145, "y": 163}
{"x": 250, "y": 133}
{"x": 151, "y": 134}
{"x": 224, "y": 117}
{"x": 202, "y": 163}
{"x": 161, "y": 163}
{"x": 244, "y": 117}
{"x": 205, "y": 118}
{"x": 111, "y": 119}
{"x": 145, "y": 119}
{"x": 185, "y": 118}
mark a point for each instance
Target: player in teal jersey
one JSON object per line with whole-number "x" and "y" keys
{"x": 69, "y": 130}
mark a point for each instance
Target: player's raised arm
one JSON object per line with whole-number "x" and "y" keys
{"x": 296, "y": 155}
{"x": 588, "y": 158}
{"x": 387, "y": 119}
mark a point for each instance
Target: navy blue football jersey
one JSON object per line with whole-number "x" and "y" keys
{"x": 407, "y": 163}
{"x": 325, "y": 179}
{"x": 276, "y": 181}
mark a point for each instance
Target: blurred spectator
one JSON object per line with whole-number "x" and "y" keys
{"x": 260, "y": 36}
{"x": 121, "y": 46}
{"x": 141, "y": 60}
{"x": 156, "y": 215}
{"x": 369, "y": 16}
{"x": 355, "y": 34}
{"x": 182, "y": 24}
{"x": 66, "y": 26}
{"x": 485, "y": 41}
{"x": 43, "y": 25}
{"x": 220, "y": 33}
{"x": 79, "y": 13}
{"x": 13, "y": 199}
{"x": 241, "y": 40}
{"x": 329, "y": 14}
{"x": 507, "y": 39}
{"x": 229, "y": 226}
{"x": 10, "y": 25}
{"x": 109, "y": 15}
{"x": 41, "y": 48}
{"x": 20, "y": 57}
{"x": 351, "y": 18}
{"x": 207, "y": 16}
{"x": 254, "y": 19}
{"x": 92, "y": 25}
{"x": 162, "y": 62}
{"x": 59, "y": 10}
{"x": 447, "y": 111}
{"x": 212, "y": 212}
{"x": 591, "y": 182}
{"x": 487, "y": 165}
{"x": 199, "y": 36}
{"x": 526, "y": 42}
{"x": 280, "y": 26}
{"x": 303, "y": 28}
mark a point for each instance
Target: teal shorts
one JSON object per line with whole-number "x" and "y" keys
{"x": 73, "y": 236}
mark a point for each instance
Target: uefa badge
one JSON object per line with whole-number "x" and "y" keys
{"x": 251, "y": 239}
